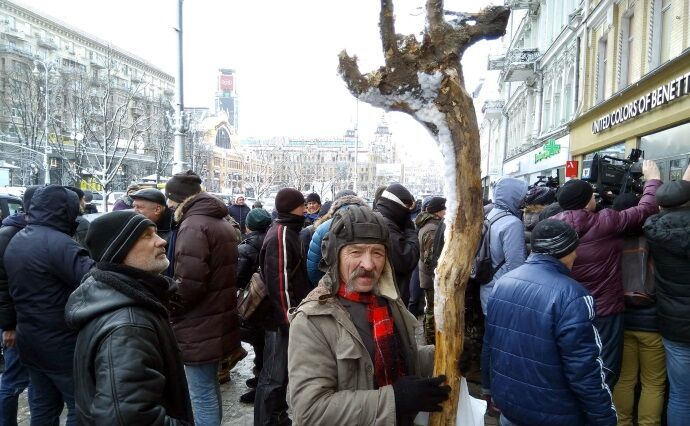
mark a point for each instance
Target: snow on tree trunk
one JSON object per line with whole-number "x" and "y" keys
{"x": 425, "y": 81}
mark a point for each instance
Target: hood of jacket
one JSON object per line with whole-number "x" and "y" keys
{"x": 109, "y": 287}
{"x": 509, "y": 194}
{"x": 55, "y": 207}
{"x": 202, "y": 204}
{"x": 18, "y": 220}
{"x": 671, "y": 229}
{"x": 424, "y": 218}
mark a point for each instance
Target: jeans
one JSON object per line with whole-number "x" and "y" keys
{"x": 12, "y": 382}
{"x": 204, "y": 391}
{"x": 610, "y": 328}
{"x": 270, "y": 404}
{"x": 51, "y": 392}
{"x": 643, "y": 354}
{"x": 678, "y": 369}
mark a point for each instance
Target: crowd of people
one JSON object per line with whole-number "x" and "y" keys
{"x": 138, "y": 316}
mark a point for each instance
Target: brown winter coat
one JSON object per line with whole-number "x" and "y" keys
{"x": 207, "y": 329}
{"x": 331, "y": 374}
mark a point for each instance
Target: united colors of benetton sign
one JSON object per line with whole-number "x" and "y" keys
{"x": 664, "y": 94}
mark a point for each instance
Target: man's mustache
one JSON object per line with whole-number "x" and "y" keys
{"x": 363, "y": 273}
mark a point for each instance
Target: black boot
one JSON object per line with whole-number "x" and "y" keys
{"x": 248, "y": 398}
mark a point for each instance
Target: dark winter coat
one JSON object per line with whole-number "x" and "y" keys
{"x": 127, "y": 366}
{"x": 428, "y": 225}
{"x": 404, "y": 243}
{"x": 283, "y": 268}
{"x": 165, "y": 225}
{"x": 439, "y": 242}
{"x": 248, "y": 262}
{"x": 207, "y": 329}
{"x": 45, "y": 265}
{"x": 597, "y": 266}
{"x": 668, "y": 235}
{"x": 82, "y": 230}
{"x": 544, "y": 350}
{"x": 239, "y": 213}
{"x": 10, "y": 226}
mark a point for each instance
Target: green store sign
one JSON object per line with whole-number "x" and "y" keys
{"x": 550, "y": 149}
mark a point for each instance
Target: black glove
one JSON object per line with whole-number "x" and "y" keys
{"x": 414, "y": 394}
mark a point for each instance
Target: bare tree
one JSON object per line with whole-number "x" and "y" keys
{"x": 22, "y": 105}
{"x": 198, "y": 154}
{"x": 424, "y": 79}
{"x": 159, "y": 138}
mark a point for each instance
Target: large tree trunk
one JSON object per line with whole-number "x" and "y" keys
{"x": 425, "y": 80}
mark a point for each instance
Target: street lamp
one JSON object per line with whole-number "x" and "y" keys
{"x": 46, "y": 172}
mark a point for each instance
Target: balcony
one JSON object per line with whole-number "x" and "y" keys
{"x": 532, "y": 5}
{"x": 47, "y": 42}
{"x": 97, "y": 63}
{"x": 493, "y": 109}
{"x": 517, "y": 65}
{"x": 14, "y": 33}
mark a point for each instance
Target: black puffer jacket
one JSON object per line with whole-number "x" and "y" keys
{"x": 45, "y": 265}
{"x": 668, "y": 235}
{"x": 248, "y": 262}
{"x": 404, "y": 243}
{"x": 10, "y": 226}
{"x": 127, "y": 366}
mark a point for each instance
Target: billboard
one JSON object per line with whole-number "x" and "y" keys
{"x": 389, "y": 170}
{"x": 226, "y": 83}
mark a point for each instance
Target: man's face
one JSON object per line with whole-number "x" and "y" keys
{"x": 240, "y": 201}
{"x": 441, "y": 214}
{"x": 361, "y": 266}
{"x": 152, "y": 211}
{"x": 592, "y": 205}
{"x": 313, "y": 206}
{"x": 82, "y": 205}
{"x": 148, "y": 253}
{"x": 299, "y": 211}
{"x": 172, "y": 205}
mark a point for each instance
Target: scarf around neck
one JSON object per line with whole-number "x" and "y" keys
{"x": 389, "y": 365}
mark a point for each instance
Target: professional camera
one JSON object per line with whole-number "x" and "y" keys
{"x": 612, "y": 176}
{"x": 548, "y": 181}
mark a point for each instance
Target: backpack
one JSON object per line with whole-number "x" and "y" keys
{"x": 482, "y": 271}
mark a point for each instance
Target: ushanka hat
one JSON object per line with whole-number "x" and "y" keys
{"x": 554, "y": 238}
{"x": 112, "y": 235}
{"x": 182, "y": 186}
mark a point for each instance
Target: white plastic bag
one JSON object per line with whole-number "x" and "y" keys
{"x": 470, "y": 410}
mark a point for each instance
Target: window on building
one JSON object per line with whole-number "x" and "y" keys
{"x": 223, "y": 139}
{"x": 602, "y": 65}
{"x": 546, "y": 110}
{"x": 557, "y": 118}
{"x": 569, "y": 94}
{"x": 628, "y": 51}
{"x": 665, "y": 32}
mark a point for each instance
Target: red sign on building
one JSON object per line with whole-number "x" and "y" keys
{"x": 571, "y": 168}
{"x": 226, "y": 83}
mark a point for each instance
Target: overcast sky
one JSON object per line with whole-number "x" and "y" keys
{"x": 285, "y": 54}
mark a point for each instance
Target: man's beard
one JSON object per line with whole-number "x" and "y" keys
{"x": 361, "y": 273}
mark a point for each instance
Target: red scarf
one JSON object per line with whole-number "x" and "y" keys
{"x": 389, "y": 364}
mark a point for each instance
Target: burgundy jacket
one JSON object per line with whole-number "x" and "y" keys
{"x": 598, "y": 263}
{"x": 207, "y": 329}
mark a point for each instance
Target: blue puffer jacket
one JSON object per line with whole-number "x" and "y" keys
{"x": 44, "y": 265}
{"x": 545, "y": 353}
{"x": 314, "y": 254}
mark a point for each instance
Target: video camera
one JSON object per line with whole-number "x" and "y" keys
{"x": 612, "y": 176}
{"x": 548, "y": 181}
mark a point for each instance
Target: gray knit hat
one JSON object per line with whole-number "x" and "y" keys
{"x": 112, "y": 235}
{"x": 554, "y": 238}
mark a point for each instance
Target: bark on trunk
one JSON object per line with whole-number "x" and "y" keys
{"x": 425, "y": 81}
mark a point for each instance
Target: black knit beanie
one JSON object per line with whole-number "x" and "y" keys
{"x": 396, "y": 192}
{"x": 436, "y": 204}
{"x": 554, "y": 238}
{"x": 112, "y": 235}
{"x": 182, "y": 186}
{"x": 673, "y": 194}
{"x": 574, "y": 195}
{"x": 258, "y": 220}
{"x": 313, "y": 197}
{"x": 288, "y": 199}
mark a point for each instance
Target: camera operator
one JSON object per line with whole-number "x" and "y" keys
{"x": 597, "y": 266}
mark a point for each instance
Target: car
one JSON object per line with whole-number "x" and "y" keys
{"x": 9, "y": 205}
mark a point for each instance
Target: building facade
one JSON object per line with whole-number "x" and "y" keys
{"x": 636, "y": 84}
{"x": 80, "y": 70}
